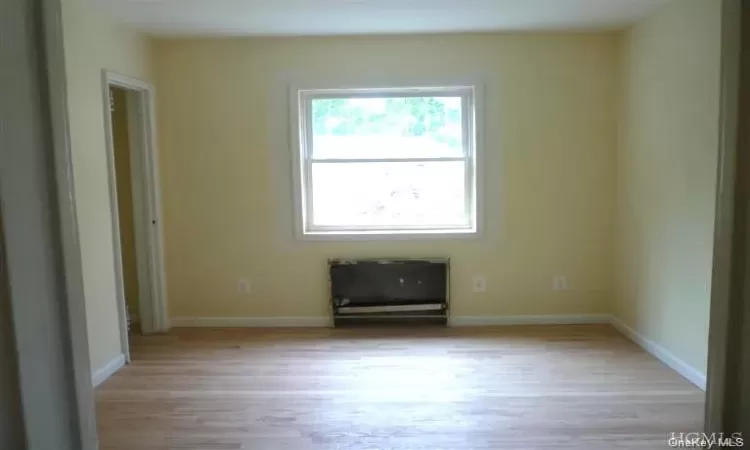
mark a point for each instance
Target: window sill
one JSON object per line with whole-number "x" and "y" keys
{"x": 389, "y": 235}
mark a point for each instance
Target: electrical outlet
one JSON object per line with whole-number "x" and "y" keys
{"x": 560, "y": 283}
{"x": 244, "y": 286}
{"x": 478, "y": 283}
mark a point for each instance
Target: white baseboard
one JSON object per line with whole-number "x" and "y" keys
{"x": 109, "y": 369}
{"x": 662, "y": 354}
{"x": 252, "y": 322}
{"x": 324, "y": 321}
{"x": 551, "y": 319}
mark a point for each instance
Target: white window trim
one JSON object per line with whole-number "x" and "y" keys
{"x": 300, "y": 98}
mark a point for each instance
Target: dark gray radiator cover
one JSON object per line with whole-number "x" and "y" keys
{"x": 389, "y": 289}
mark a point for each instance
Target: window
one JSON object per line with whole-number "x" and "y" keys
{"x": 387, "y": 161}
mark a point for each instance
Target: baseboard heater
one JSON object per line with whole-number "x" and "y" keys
{"x": 380, "y": 291}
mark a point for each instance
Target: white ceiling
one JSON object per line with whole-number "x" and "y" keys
{"x": 326, "y": 17}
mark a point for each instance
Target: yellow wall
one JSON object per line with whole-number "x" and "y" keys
{"x": 92, "y": 43}
{"x": 550, "y": 141}
{"x": 667, "y": 174}
{"x": 121, "y": 141}
{"x": 553, "y": 174}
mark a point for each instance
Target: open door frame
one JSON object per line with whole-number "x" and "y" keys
{"x": 728, "y": 377}
{"x": 146, "y": 206}
{"x": 42, "y": 248}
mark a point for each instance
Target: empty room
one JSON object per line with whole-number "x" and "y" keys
{"x": 406, "y": 224}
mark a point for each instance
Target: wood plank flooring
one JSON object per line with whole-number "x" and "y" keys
{"x": 540, "y": 387}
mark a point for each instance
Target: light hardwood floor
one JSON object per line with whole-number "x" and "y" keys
{"x": 541, "y": 387}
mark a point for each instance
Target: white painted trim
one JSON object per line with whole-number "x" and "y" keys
{"x": 662, "y": 354}
{"x": 395, "y": 235}
{"x": 55, "y": 404}
{"x": 102, "y": 374}
{"x": 551, "y": 319}
{"x": 147, "y": 206}
{"x": 252, "y": 322}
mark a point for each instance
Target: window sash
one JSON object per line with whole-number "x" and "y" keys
{"x": 464, "y": 220}
{"x": 468, "y": 130}
{"x": 465, "y": 93}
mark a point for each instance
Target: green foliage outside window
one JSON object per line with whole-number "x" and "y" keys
{"x": 438, "y": 118}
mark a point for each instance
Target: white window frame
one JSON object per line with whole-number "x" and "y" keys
{"x": 301, "y": 109}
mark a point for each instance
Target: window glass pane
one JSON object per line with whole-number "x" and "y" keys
{"x": 387, "y": 127}
{"x": 419, "y": 194}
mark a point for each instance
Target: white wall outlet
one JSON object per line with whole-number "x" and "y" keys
{"x": 560, "y": 283}
{"x": 478, "y": 283}
{"x": 244, "y": 286}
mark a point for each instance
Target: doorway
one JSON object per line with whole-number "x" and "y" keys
{"x": 124, "y": 186}
{"x": 136, "y": 221}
